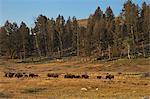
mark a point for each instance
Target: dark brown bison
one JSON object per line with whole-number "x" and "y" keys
{"x": 24, "y": 74}
{"x": 109, "y": 76}
{"x": 99, "y": 77}
{"x": 85, "y": 76}
{"x": 33, "y": 75}
{"x": 18, "y": 75}
{"x": 9, "y": 74}
{"x": 5, "y": 74}
{"x": 69, "y": 76}
{"x": 77, "y": 76}
{"x": 54, "y": 75}
{"x": 119, "y": 73}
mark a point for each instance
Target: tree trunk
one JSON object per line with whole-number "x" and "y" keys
{"x": 78, "y": 49}
{"x": 59, "y": 52}
{"x": 61, "y": 48}
{"x": 143, "y": 49}
{"x": 129, "y": 51}
{"x": 12, "y": 53}
{"x": 109, "y": 52}
{"x": 102, "y": 54}
{"x": 45, "y": 43}
{"x": 24, "y": 53}
{"x": 132, "y": 32}
{"x": 61, "y": 45}
{"x": 37, "y": 46}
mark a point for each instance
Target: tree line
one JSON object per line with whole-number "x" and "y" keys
{"x": 105, "y": 35}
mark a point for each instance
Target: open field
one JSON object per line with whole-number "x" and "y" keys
{"x": 131, "y": 84}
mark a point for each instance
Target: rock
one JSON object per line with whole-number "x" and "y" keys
{"x": 96, "y": 89}
{"x": 83, "y": 89}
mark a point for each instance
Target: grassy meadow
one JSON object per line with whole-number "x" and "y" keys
{"x": 131, "y": 84}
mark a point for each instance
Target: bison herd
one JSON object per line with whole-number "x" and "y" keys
{"x": 54, "y": 75}
{"x": 85, "y": 76}
{"x": 20, "y": 75}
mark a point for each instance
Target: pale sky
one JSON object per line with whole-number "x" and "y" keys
{"x": 28, "y": 10}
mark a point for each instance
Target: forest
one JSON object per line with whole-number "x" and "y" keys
{"x": 105, "y": 36}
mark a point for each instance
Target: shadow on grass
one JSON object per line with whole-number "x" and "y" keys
{"x": 5, "y": 95}
{"x": 33, "y": 90}
{"x": 72, "y": 66}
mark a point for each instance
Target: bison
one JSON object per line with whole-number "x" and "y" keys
{"x": 9, "y": 74}
{"x": 69, "y": 76}
{"x": 19, "y": 75}
{"x": 99, "y": 77}
{"x": 53, "y": 75}
{"x": 109, "y": 76}
{"x": 33, "y": 75}
{"x": 6, "y": 74}
{"x": 85, "y": 76}
{"x": 119, "y": 73}
{"x": 77, "y": 76}
{"x": 25, "y": 75}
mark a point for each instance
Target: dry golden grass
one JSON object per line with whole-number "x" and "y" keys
{"x": 129, "y": 85}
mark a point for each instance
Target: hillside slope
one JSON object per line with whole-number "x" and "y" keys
{"x": 83, "y": 22}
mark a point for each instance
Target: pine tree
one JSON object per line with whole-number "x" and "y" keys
{"x": 110, "y": 26}
{"x": 3, "y": 41}
{"x": 12, "y": 41}
{"x": 82, "y": 43}
{"x": 67, "y": 37}
{"x": 50, "y": 35}
{"x": 24, "y": 39}
{"x": 145, "y": 27}
{"x": 42, "y": 33}
{"x": 75, "y": 36}
{"x": 117, "y": 37}
{"x": 131, "y": 16}
{"x": 60, "y": 22}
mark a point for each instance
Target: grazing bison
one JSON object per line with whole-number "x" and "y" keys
{"x": 69, "y": 76}
{"x": 9, "y": 74}
{"x": 119, "y": 73}
{"x": 53, "y": 75}
{"x": 33, "y": 75}
{"x": 19, "y": 75}
{"x": 85, "y": 76}
{"x": 25, "y": 75}
{"x": 6, "y": 74}
{"x": 99, "y": 77}
{"x": 77, "y": 76}
{"x": 109, "y": 76}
